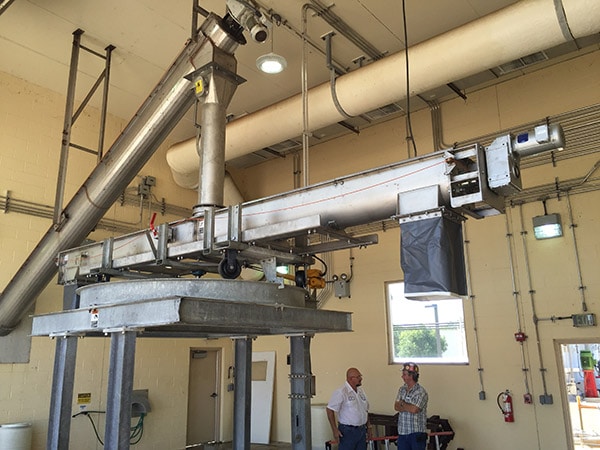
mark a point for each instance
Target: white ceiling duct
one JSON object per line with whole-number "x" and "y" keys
{"x": 524, "y": 28}
{"x": 231, "y": 194}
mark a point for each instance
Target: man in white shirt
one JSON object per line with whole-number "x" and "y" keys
{"x": 350, "y": 404}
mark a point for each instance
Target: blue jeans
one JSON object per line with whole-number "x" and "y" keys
{"x": 413, "y": 441}
{"x": 353, "y": 438}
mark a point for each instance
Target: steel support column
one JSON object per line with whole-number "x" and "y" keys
{"x": 71, "y": 117}
{"x": 120, "y": 386}
{"x": 242, "y": 399}
{"x": 300, "y": 392}
{"x": 104, "y": 109}
{"x": 66, "y": 138}
{"x": 59, "y": 424}
{"x": 63, "y": 379}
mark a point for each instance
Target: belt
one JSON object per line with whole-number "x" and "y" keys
{"x": 353, "y": 426}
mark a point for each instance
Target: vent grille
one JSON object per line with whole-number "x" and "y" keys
{"x": 384, "y": 111}
{"x": 523, "y": 62}
{"x": 285, "y": 146}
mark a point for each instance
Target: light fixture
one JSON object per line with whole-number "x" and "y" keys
{"x": 271, "y": 62}
{"x": 547, "y": 226}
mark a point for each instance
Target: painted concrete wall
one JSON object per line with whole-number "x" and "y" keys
{"x": 30, "y": 127}
{"x": 31, "y": 121}
{"x": 454, "y": 390}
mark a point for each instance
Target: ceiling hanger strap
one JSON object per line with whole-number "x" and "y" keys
{"x": 332, "y": 76}
{"x": 562, "y": 20}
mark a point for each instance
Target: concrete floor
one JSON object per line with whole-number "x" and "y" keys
{"x": 586, "y": 428}
{"x": 229, "y": 446}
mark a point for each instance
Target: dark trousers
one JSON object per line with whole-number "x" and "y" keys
{"x": 413, "y": 441}
{"x": 353, "y": 438}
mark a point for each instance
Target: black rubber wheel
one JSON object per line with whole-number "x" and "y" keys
{"x": 300, "y": 278}
{"x": 229, "y": 271}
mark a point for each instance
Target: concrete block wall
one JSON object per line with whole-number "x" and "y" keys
{"x": 31, "y": 122}
{"x": 454, "y": 389}
{"x": 30, "y": 126}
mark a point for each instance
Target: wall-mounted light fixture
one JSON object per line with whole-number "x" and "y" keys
{"x": 272, "y": 62}
{"x": 547, "y": 226}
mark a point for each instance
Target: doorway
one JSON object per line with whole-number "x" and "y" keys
{"x": 203, "y": 396}
{"x": 580, "y": 364}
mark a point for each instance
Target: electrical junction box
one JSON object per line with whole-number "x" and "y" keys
{"x": 341, "y": 288}
{"x": 503, "y": 173}
{"x": 584, "y": 320}
{"x": 143, "y": 189}
{"x": 139, "y": 403}
{"x": 149, "y": 180}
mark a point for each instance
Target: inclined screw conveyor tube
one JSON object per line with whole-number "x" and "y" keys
{"x": 162, "y": 110}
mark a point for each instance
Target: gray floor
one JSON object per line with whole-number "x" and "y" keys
{"x": 229, "y": 446}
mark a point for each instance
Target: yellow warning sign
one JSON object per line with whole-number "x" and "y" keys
{"x": 84, "y": 398}
{"x": 199, "y": 86}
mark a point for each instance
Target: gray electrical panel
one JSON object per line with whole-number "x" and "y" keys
{"x": 341, "y": 288}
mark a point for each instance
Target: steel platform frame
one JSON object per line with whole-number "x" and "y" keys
{"x": 123, "y": 318}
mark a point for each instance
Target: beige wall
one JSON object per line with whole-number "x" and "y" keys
{"x": 31, "y": 120}
{"x": 454, "y": 390}
{"x": 30, "y": 125}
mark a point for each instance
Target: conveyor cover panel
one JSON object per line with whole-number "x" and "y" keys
{"x": 432, "y": 258}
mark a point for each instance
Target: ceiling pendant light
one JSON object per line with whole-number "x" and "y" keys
{"x": 271, "y": 62}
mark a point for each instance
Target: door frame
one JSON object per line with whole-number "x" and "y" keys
{"x": 564, "y": 395}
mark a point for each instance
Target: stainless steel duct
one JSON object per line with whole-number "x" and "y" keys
{"x": 216, "y": 82}
{"x": 165, "y": 106}
{"x": 524, "y": 28}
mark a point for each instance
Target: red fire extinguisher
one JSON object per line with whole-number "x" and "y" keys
{"x": 505, "y": 404}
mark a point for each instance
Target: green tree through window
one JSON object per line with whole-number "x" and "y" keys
{"x": 418, "y": 343}
{"x": 425, "y": 331}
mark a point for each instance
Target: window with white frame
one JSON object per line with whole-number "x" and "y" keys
{"x": 425, "y": 331}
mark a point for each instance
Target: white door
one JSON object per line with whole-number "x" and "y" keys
{"x": 203, "y": 396}
{"x": 263, "y": 375}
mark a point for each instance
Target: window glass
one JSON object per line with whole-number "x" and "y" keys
{"x": 425, "y": 331}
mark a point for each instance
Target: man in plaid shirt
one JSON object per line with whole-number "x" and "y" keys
{"x": 411, "y": 404}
